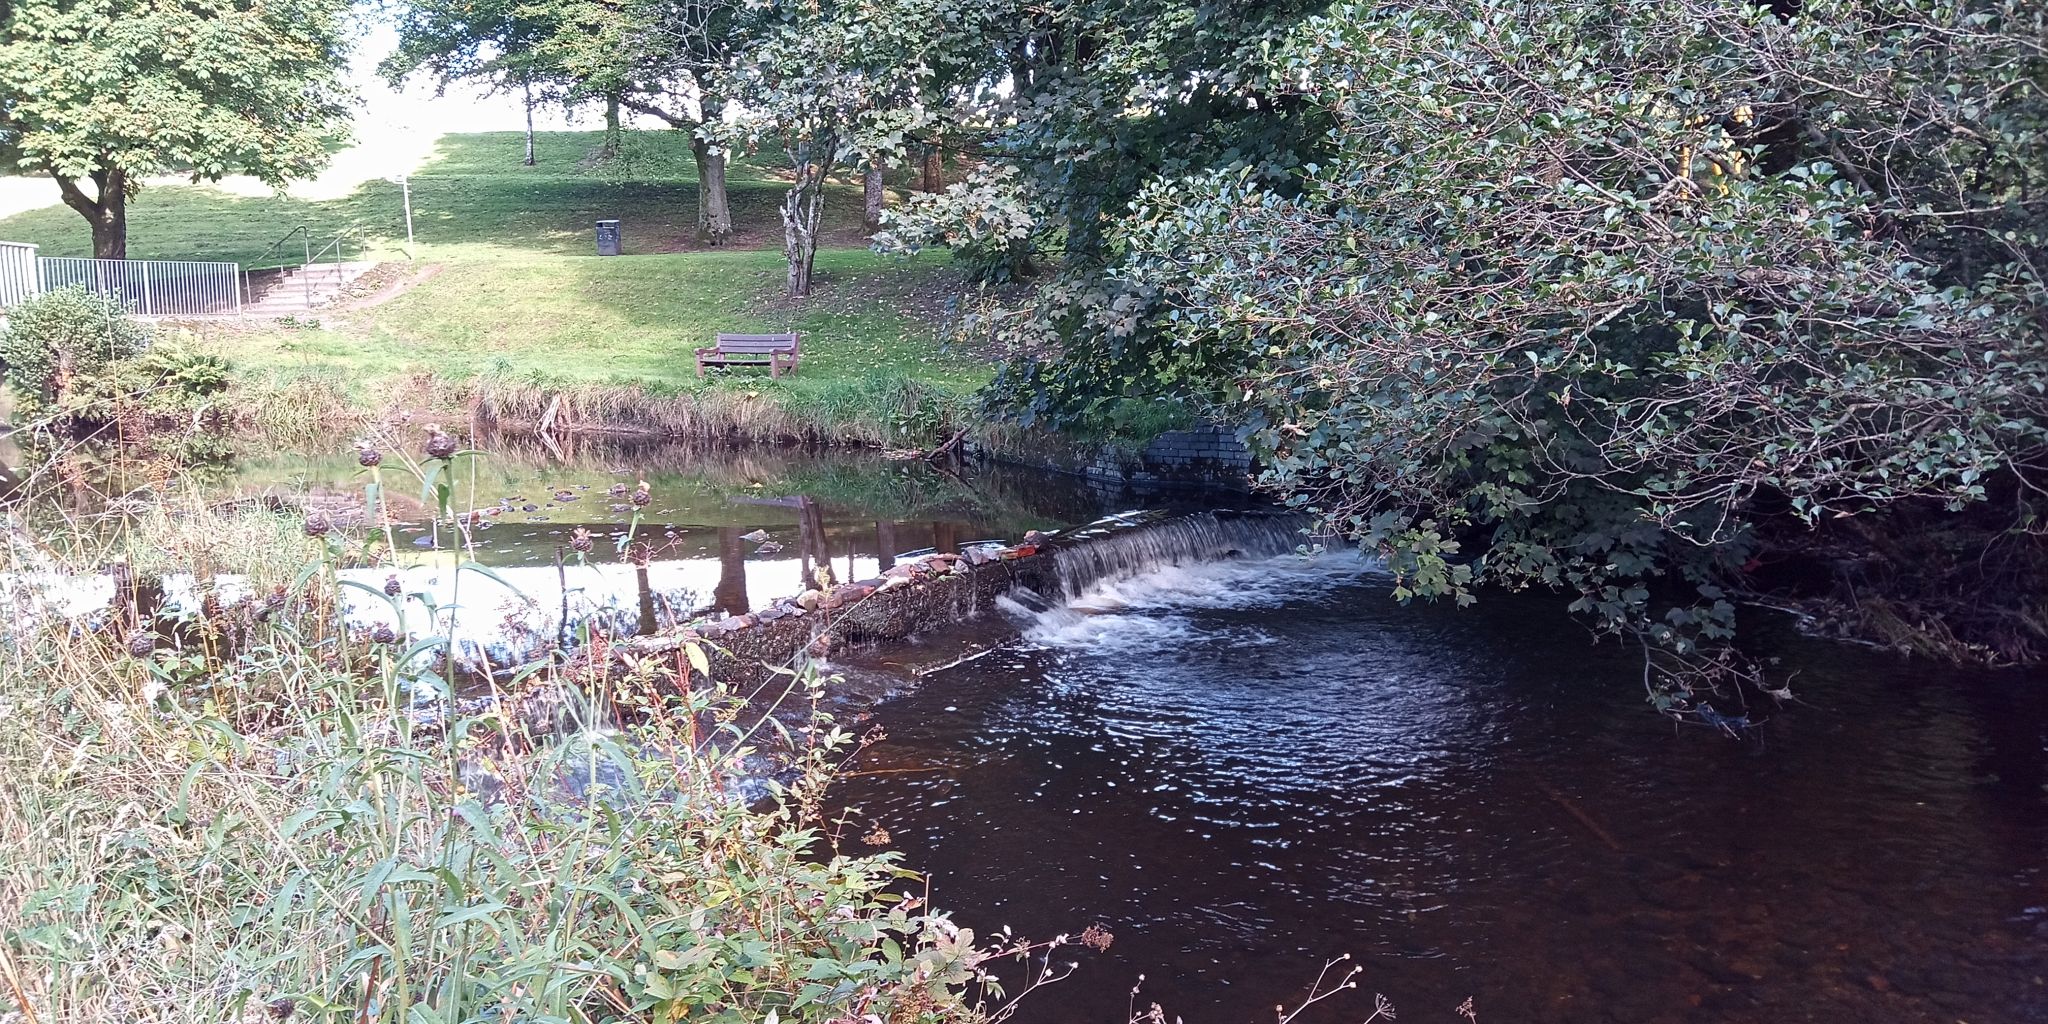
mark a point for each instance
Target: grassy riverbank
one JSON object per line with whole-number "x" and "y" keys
{"x": 505, "y": 309}
{"x": 246, "y": 812}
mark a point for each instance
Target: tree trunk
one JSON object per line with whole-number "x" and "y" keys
{"x": 802, "y": 209}
{"x": 714, "y": 217}
{"x": 530, "y": 158}
{"x": 107, "y": 211}
{"x": 871, "y": 184}
{"x": 610, "y": 148}
{"x": 934, "y": 167}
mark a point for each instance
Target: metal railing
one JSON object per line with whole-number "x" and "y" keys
{"x": 151, "y": 287}
{"x": 336, "y": 246}
{"x": 19, "y": 276}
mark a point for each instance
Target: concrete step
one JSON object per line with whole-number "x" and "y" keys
{"x": 301, "y": 288}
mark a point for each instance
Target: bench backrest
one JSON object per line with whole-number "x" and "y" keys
{"x": 757, "y": 343}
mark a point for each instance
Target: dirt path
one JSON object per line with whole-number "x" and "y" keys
{"x": 385, "y": 283}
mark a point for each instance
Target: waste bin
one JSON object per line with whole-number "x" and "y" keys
{"x": 607, "y": 238}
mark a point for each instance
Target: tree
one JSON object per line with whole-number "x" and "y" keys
{"x": 101, "y": 94}
{"x": 493, "y": 43}
{"x": 63, "y": 342}
{"x": 851, "y": 83}
{"x": 1626, "y": 300}
{"x": 658, "y": 58}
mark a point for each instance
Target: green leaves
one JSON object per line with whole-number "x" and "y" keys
{"x": 1595, "y": 292}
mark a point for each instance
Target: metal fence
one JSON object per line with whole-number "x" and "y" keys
{"x": 19, "y": 277}
{"x": 152, "y": 287}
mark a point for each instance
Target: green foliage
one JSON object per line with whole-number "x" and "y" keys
{"x": 171, "y": 377}
{"x": 1601, "y": 288}
{"x": 255, "y": 812}
{"x": 64, "y": 342}
{"x": 987, "y": 222}
{"x": 115, "y": 90}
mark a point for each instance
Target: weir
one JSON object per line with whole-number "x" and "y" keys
{"x": 944, "y": 589}
{"x": 1124, "y": 545}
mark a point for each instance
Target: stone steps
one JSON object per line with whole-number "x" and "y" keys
{"x": 299, "y": 289}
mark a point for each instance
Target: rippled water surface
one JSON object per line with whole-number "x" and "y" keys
{"x": 1246, "y": 769}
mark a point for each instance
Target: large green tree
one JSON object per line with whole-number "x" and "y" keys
{"x": 1644, "y": 301}
{"x": 662, "y": 59}
{"x": 100, "y": 94}
{"x": 850, "y": 83}
{"x": 1635, "y": 300}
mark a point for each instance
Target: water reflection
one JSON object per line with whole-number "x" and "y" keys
{"x": 729, "y": 530}
{"x": 1244, "y": 769}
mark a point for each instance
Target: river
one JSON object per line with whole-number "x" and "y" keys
{"x": 1246, "y": 769}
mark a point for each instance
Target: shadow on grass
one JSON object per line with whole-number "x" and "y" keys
{"x": 474, "y": 197}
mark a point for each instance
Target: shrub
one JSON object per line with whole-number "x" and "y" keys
{"x": 64, "y": 340}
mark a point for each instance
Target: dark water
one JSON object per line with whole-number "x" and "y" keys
{"x": 1245, "y": 770}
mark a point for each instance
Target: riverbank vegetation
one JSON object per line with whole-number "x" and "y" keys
{"x": 1658, "y": 305}
{"x": 231, "y": 805}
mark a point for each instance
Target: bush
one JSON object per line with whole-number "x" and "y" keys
{"x": 64, "y": 340}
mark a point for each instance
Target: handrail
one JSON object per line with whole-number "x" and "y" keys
{"x": 338, "y": 245}
{"x": 250, "y": 267}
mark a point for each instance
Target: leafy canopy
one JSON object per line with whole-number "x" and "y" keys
{"x": 204, "y": 88}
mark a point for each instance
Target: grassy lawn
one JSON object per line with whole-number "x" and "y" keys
{"x": 586, "y": 320}
{"x": 473, "y": 199}
{"x": 517, "y": 297}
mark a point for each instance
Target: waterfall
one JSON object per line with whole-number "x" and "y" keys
{"x": 1136, "y": 542}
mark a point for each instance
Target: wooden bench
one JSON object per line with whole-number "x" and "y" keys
{"x": 777, "y": 352}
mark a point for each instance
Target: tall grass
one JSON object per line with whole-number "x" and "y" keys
{"x": 255, "y": 814}
{"x": 882, "y": 410}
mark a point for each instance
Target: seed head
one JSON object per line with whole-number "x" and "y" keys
{"x": 439, "y": 444}
{"x": 641, "y": 497}
{"x": 580, "y": 541}
{"x": 383, "y": 634}
{"x": 392, "y": 586}
{"x": 317, "y": 524}
{"x": 368, "y": 457}
{"x": 141, "y": 643}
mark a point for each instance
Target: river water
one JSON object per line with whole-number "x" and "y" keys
{"x": 1246, "y": 769}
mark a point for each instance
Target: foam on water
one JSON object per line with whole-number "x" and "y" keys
{"x": 1150, "y": 610}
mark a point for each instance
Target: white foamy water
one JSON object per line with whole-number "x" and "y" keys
{"x": 1150, "y": 609}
